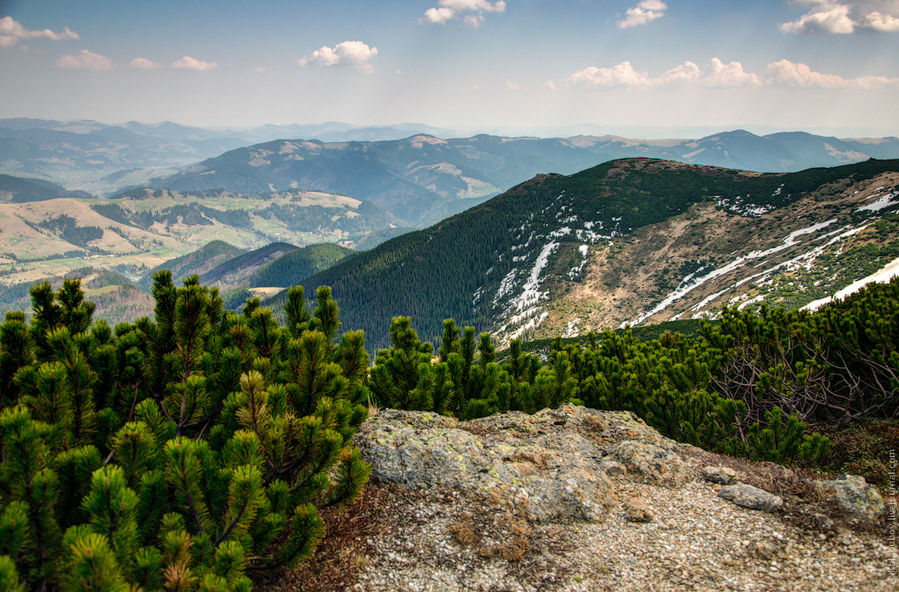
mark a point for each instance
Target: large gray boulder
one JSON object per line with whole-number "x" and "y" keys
{"x": 550, "y": 466}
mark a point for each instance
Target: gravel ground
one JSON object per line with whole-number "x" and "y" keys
{"x": 441, "y": 540}
{"x": 446, "y": 538}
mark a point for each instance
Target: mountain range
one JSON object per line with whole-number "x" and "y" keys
{"x": 671, "y": 233}
{"x": 104, "y": 159}
{"x": 422, "y": 179}
{"x": 631, "y": 241}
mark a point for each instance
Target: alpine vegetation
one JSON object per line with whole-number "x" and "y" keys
{"x": 185, "y": 452}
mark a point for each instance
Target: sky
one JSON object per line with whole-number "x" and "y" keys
{"x": 648, "y": 67}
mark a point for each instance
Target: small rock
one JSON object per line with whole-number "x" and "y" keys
{"x": 654, "y": 463}
{"x": 636, "y": 510}
{"x": 853, "y": 496}
{"x": 612, "y": 468}
{"x": 722, "y": 475}
{"x": 750, "y": 497}
{"x": 765, "y": 549}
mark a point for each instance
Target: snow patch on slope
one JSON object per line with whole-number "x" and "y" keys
{"x": 882, "y": 203}
{"x": 530, "y": 295}
{"x": 885, "y": 274}
{"x": 691, "y": 282}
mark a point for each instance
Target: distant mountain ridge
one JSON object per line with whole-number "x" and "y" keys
{"x": 104, "y": 158}
{"x": 196, "y": 262}
{"x": 22, "y": 189}
{"x": 422, "y": 178}
{"x": 237, "y": 270}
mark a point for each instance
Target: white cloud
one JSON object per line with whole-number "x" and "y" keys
{"x": 84, "y": 60}
{"x": 732, "y": 74}
{"x": 142, "y": 64}
{"x": 885, "y": 23}
{"x": 621, "y": 75}
{"x": 512, "y": 85}
{"x": 718, "y": 74}
{"x": 439, "y": 15}
{"x": 642, "y": 13}
{"x": 842, "y": 17}
{"x": 715, "y": 74}
{"x": 549, "y": 85}
{"x": 259, "y": 69}
{"x": 189, "y": 63}
{"x": 684, "y": 73}
{"x": 471, "y": 12}
{"x": 346, "y": 53}
{"x": 786, "y": 73}
{"x": 12, "y": 31}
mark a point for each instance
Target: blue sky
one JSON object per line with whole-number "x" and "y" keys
{"x": 639, "y": 66}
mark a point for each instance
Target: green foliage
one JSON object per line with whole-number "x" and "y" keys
{"x": 748, "y": 385}
{"x": 784, "y": 441}
{"x": 296, "y": 265}
{"x": 183, "y": 452}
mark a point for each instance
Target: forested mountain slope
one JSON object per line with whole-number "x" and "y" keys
{"x": 294, "y": 266}
{"x": 22, "y": 189}
{"x": 538, "y": 255}
{"x": 197, "y": 262}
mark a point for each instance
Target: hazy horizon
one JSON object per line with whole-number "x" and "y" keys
{"x": 464, "y": 131}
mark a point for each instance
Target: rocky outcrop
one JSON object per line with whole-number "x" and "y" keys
{"x": 558, "y": 464}
{"x": 652, "y": 463}
{"x": 721, "y": 475}
{"x": 578, "y": 500}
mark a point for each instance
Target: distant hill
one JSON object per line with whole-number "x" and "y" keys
{"x": 197, "y": 262}
{"x": 238, "y": 270}
{"x": 632, "y": 240}
{"x": 275, "y": 265}
{"x": 83, "y": 152}
{"x": 102, "y": 158}
{"x": 296, "y": 265}
{"x": 422, "y": 179}
{"x": 21, "y": 189}
{"x": 144, "y": 229}
{"x": 255, "y": 218}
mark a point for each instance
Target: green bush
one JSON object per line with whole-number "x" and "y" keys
{"x": 183, "y": 452}
{"x": 748, "y": 385}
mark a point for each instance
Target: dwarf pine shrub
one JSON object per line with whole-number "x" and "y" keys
{"x": 183, "y": 452}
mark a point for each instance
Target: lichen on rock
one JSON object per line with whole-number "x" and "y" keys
{"x": 550, "y": 466}
{"x": 853, "y": 497}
